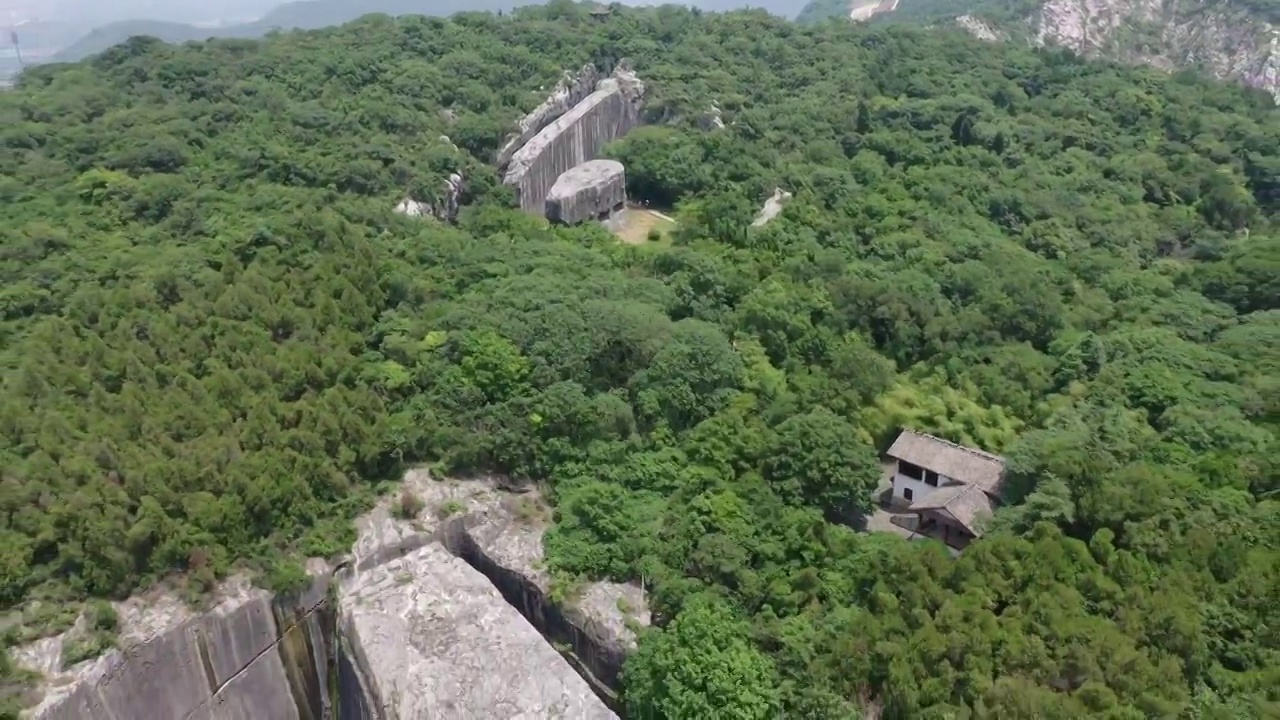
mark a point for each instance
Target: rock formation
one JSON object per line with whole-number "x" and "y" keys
{"x": 503, "y": 539}
{"x": 593, "y": 189}
{"x": 249, "y": 657}
{"x": 980, "y": 29}
{"x": 575, "y": 137}
{"x": 413, "y": 624}
{"x": 772, "y": 207}
{"x": 571, "y": 90}
{"x": 711, "y": 119}
{"x": 1227, "y": 42}
{"x": 431, "y": 637}
{"x": 444, "y": 208}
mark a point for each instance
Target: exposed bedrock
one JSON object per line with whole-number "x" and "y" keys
{"x": 444, "y": 207}
{"x": 578, "y": 135}
{"x": 251, "y": 656}
{"x": 433, "y": 638}
{"x": 499, "y": 534}
{"x": 404, "y": 628}
{"x": 772, "y": 207}
{"x": 587, "y": 191}
{"x": 570, "y": 91}
{"x": 503, "y": 540}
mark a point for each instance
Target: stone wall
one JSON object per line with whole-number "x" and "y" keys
{"x": 575, "y": 137}
{"x": 586, "y": 191}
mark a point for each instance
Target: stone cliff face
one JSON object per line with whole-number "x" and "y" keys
{"x": 251, "y": 656}
{"x": 571, "y": 90}
{"x": 574, "y": 137}
{"x": 438, "y": 616}
{"x": 1218, "y": 38}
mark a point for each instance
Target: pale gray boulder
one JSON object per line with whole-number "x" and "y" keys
{"x": 594, "y": 189}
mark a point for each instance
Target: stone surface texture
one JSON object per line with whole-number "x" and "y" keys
{"x": 578, "y": 135}
{"x": 173, "y": 663}
{"x": 772, "y": 207}
{"x": 1229, "y": 42}
{"x": 503, "y": 539}
{"x": 585, "y": 191}
{"x": 435, "y": 616}
{"x": 571, "y": 90}
{"x": 436, "y": 639}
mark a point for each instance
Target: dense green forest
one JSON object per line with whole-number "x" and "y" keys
{"x": 218, "y": 339}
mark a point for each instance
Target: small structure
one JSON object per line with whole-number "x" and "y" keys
{"x": 601, "y": 12}
{"x": 593, "y": 189}
{"x": 948, "y": 486}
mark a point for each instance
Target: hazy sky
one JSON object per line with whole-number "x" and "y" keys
{"x": 99, "y": 11}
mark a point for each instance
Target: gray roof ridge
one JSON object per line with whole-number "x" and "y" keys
{"x": 972, "y": 451}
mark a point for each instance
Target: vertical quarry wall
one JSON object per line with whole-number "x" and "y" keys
{"x": 429, "y": 618}
{"x": 572, "y": 89}
{"x": 575, "y": 137}
{"x": 251, "y": 656}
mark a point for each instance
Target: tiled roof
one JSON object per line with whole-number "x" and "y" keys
{"x": 965, "y": 503}
{"x": 962, "y": 464}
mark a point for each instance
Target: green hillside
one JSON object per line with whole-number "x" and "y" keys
{"x": 218, "y": 341}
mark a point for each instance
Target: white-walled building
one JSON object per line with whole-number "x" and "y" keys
{"x": 950, "y": 486}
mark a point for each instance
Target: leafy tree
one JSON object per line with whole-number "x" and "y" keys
{"x": 701, "y": 665}
{"x": 817, "y": 459}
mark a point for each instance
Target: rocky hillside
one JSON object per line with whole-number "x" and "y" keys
{"x": 1225, "y": 40}
{"x": 1236, "y": 40}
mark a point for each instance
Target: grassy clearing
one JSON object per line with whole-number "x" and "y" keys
{"x": 637, "y": 226}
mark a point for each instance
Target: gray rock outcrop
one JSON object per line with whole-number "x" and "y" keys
{"x": 587, "y": 191}
{"x": 571, "y": 90}
{"x": 1228, "y": 42}
{"x": 438, "y": 616}
{"x": 980, "y": 29}
{"x": 711, "y": 119}
{"x": 435, "y": 639}
{"x": 772, "y": 207}
{"x": 227, "y": 664}
{"x": 578, "y": 135}
{"x": 502, "y": 538}
{"x": 444, "y": 207}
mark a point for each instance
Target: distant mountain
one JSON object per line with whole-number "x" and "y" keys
{"x": 313, "y": 14}
{"x": 306, "y": 15}
{"x": 1229, "y": 39}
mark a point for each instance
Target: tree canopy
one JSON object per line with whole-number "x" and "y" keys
{"x": 218, "y": 339}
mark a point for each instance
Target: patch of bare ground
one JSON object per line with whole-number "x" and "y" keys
{"x": 638, "y": 226}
